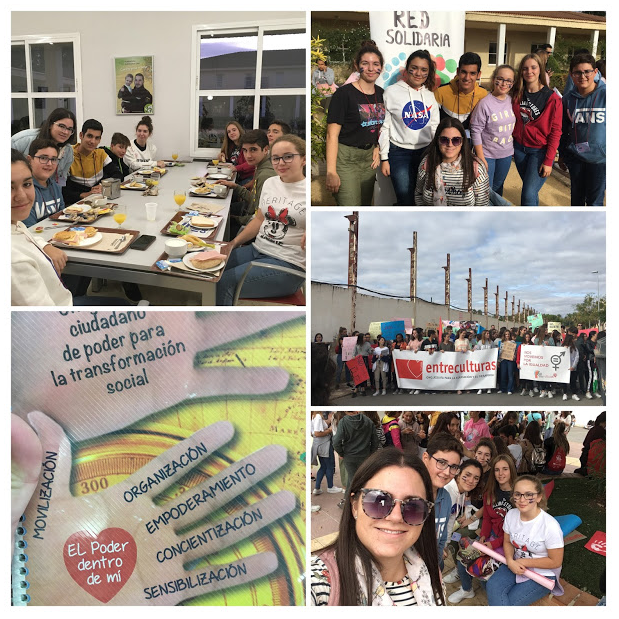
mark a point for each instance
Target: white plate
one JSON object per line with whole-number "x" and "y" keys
{"x": 187, "y": 263}
{"x": 219, "y": 176}
{"x": 85, "y": 243}
{"x": 141, "y": 186}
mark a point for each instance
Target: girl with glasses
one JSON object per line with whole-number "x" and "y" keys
{"x": 355, "y": 117}
{"x": 583, "y": 143}
{"x": 411, "y": 118}
{"x": 385, "y": 552}
{"x": 449, "y": 174}
{"x": 278, "y": 228}
{"x": 497, "y": 503}
{"x": 537, "y": 132}
{"x": 492, "y": 123}
{"x": 59, "y": 127}
{"x": 533, "y": 540}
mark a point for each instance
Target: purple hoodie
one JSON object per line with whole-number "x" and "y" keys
{"x": 492, "y": 123}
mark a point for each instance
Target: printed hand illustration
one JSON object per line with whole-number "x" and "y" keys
{"x": 118, "y": 547}
{"x": 89, "y": 407}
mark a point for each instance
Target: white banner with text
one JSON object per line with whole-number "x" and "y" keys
{"x": 545, "y": 363}
{"x": 446, "y": 371}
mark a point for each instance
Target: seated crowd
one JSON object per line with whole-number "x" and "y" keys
{"x": 453, "y": 144}
{"x": 51, "y": 170}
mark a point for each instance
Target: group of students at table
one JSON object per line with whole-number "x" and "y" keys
{"x": 453, "y": 144}
{"x": 51, "y": 170}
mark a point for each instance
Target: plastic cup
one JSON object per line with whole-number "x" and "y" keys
{"x": 151, "y": 211}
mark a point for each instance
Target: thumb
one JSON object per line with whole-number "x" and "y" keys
{"x": 56, "y": 457}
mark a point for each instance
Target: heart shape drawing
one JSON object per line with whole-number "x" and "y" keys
{"x": 101, "y": 564}
{"x": 410, "y": 368}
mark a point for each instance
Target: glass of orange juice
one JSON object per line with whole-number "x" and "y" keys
{"x": 179, "y": 198}
{"x": 175, "y": 156}
{"x": 215, "y": 161}
{"x": 120, "y": 214}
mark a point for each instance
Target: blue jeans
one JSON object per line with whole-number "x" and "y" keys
{"x": 507, "y": 375}
{"x": 588, "y": 182}
{"x": 498, "y": 170}
{"x": 260, "y": 283}
{"x": 403, "y": 163}
{"x": 327, "y": 469}
{"x": 528, "y": 162}
{"x": 502, "y": 589}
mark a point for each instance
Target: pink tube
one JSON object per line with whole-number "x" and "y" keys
{"x": 538, "y": 578}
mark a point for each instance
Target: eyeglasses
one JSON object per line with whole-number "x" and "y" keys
{"x": 46, "y": 159}
{"x": 378, "y": 504}
{"x": 288, "y": 157}
{"x": 529, "y": 496}
{"x": 62, "y": 127}
{"x": 586, "y": 73}
{"x": 443, "y": 140}
{"x": 502, "y": 80}
{"x": 441, "y": 465}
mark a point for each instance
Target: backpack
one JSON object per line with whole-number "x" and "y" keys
{"x": 538, "y": 459}
{"x": 557, "y": 462}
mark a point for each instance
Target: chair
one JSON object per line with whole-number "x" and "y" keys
{"x": 298, "y": 298}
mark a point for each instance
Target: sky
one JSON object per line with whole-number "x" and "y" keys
{"x": 543, "y": 258}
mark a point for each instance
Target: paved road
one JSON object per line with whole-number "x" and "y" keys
{"x": 343, "y": 397}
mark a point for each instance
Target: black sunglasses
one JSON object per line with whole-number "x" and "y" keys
{"x": 378, "y": 504}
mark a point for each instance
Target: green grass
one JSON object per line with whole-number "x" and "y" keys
{"x": 581, "y": 567}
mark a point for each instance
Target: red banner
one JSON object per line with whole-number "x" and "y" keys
{"x": 358, "y": 370}
{"x": 597, "y": 543}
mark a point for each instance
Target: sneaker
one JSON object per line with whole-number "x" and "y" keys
{"x": 575, "y": 397}
{"x": 341, "y": 503}
{"x": 384, "y": 392}
{"x": 398, "y": 391}
{"x": 597, "y": 395}
{"x": 315, "y": 508}
{"x": 478, "y": 393}
{"x": 489, "y": 391}
{"x": 316, "y": 491}
{"x": 411, "y": 392}
{"x": 375, "y": 393}
{"x": 510, "y": 393}
{"x": 531, "y": 394}
{"x": 542, "y": 394}
{"x": 416, "y": 392}
{"x": 588, "y": 395}
{"x": 554, "y": 392}
{"x": 536, "y": 389}
{"x": 459, "y": 392}
{"x": 334, "y": 490}
{"x": 452, "y": 577}
{"x": 550, "y": 394}
{"x": 459, "y": 595}
{"x": 564, "y": 397}
{"x": 523, "y": 392}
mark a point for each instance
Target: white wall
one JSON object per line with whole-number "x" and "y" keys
{"x": 166, "y": 35}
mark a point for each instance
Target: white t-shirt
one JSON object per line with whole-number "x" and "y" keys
{"x": 378, "y": 352}
{"x": 516, "y": 451}
{"x": 283, "y": 207}
{"x": 532, "y": 539}
{"x": 318, "y": 424}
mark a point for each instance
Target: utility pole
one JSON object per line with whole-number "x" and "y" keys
{"x": 486, "y": 302}
{"x": 413, "y": 286}
{"x": 496, "y": 294}
{"x": 469, "y": 281}
{"x": 353, "y": 247}
{"x": 447, "y": 280}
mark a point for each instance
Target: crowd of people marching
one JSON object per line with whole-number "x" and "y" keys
{"x": 587, "y": 359}
{"x": 453, "y": 144}
{"x": 422, "y": 486}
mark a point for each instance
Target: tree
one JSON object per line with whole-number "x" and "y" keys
{"x": 587, "y": 312}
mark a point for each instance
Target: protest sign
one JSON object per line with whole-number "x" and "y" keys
{"x": 446, "y": 371}
{"x": 535, "y": 320}
{"x": 587, "y": 331}
{"x": 454, "y": 324}
{"x": 507, "y": 350}
{"x": 545, "y": 363}
{"x": 554, "y": 326}
{"x": 348, "y": 348}
{"x": 431, "y": 325}
{"x": 597, "y": 543}
{"x": 390, "y": 329}
{"x": 358, "y": 370}
{"x": 374, "y": 330}
{"x": 408, "y": 324}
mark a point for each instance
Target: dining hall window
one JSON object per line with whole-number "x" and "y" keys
{"x": 250, "y": 73}
{"x": 45, "y": 72}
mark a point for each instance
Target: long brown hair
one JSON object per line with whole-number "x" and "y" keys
{"x": 348, "y": 548}
{"x": 519, "y": 86}
{"x": 560, "y": 440}
{"x": 228, "y": 145}
{"x": 492, "y": 485}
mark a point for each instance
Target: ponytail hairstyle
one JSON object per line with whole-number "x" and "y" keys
{"x": 368, "y": 47}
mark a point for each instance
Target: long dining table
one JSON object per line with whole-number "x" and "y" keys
{"x": 135, "y": 265}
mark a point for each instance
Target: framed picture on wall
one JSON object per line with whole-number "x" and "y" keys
{"x": 134, "y": 85}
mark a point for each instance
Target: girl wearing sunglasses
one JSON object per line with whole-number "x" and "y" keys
{"x": 537, "y": 131}
{"x": 492, "y": 123}
{"x": 497, "y": 503}
{"x": 385, "y": 552}
{"x": 449, "y": 174}
{"x": 533, "y": 540}
{"x": 411, "y": 118}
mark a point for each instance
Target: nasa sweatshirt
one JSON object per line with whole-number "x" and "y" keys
{"x": 411, "y": 118}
